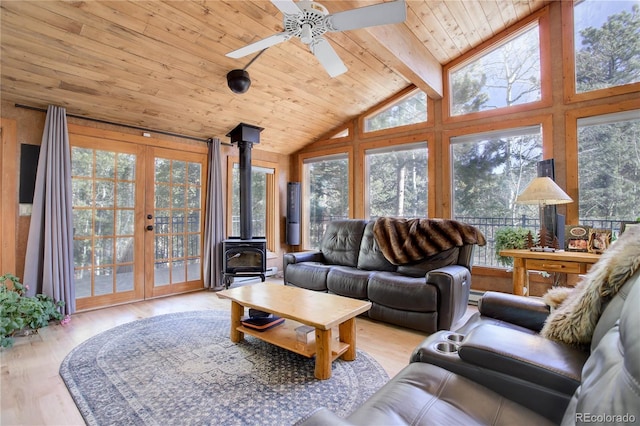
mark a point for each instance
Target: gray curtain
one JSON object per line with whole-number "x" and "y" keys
{"x": 49, "y": 258}
{"x": 214, "y": 220}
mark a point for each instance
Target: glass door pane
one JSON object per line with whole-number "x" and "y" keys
{"x": 104, "y": 190}
{"x": 177, "y": 212}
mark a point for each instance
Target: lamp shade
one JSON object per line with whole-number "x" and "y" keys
{"x": 543, "y": 191}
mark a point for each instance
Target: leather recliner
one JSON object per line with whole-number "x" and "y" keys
{"x": 423, "y": 393}
{"x": 500, "y": 347}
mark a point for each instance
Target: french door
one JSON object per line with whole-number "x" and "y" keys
{"x": 138, "y": 221}
{"x": 174, "y": 219}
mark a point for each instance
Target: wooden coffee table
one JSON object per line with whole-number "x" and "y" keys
{"x": 321, "y": 311}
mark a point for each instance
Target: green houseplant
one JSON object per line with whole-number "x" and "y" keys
{"x": 19, "y": 312}
{"x": 510, "y": 238}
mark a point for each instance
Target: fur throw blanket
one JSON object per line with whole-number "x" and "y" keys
{"x": 404, "y": 241}
{"x": 579, "y": 309}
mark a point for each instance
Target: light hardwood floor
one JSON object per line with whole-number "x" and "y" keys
{"x": 33, "y": 393}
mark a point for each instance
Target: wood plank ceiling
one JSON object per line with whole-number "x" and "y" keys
{"x": 162, "y": 65}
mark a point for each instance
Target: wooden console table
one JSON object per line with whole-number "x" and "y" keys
{"x": 566, "y": 262}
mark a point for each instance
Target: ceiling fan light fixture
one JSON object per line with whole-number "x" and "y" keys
{"x": 305, "y": 34}
{"x": 238, "y": 81}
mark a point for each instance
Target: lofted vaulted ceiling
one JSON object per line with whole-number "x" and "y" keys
{"x": 162, "y": 65}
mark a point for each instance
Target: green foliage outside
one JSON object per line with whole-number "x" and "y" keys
{"x": 510, "y": 238}
{"x": 18, "y": 312}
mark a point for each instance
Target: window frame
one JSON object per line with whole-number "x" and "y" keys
{"x": 272, "y": 207}
{"x": 372, "y": 146}
{"x": 571, "y": 148}
{"x": 546, "y": 98}
{"x": 543, "y": 120}
{"x": 304, "y": 195}
{"x": 569, "y": 64}
{"x": 409, "y": 91}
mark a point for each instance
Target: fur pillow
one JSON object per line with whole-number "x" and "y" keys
{"x": 574, "y": 321}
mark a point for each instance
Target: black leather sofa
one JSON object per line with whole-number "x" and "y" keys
{"x": 428, "y": 295}
{"x": 503, "y": 372}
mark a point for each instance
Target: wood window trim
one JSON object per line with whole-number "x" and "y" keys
{"x": 571, "y": 148}
{"x": 348, "y": 151}
{"x": 569, "y": 65}
{"x": 544, "y": 120}
{"x": 546, "y": 99}
{"x": 432, "y": 167}
{"x": 394, "y": 130}
{"x": 329, "y": 139}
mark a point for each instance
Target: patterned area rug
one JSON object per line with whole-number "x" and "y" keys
{"x": 182, "y": 369}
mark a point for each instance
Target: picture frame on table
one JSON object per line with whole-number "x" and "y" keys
{"x": 576, "y": 238}
{"x": 599, "y": 240}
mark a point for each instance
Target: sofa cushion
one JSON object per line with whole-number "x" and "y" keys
{"x": 401, "y": 292}
{"x": 340, "y": 243}
{"x": 309, "y": 275}
{"x": 439, "y": 260}
{"x": 348, "y": 282}
{"x": 370, "y": 257}
{"x": 423, "y": 321}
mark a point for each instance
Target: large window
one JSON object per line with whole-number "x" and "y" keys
{"x": 396, "y": 179}
{"x": 259, "y": 177}
{"x": 607, "y": 44}
{"x": 410, "y": 109}
{"x": 609, "y": 169}
{"x": 489, "y": 171}
{"x": 505, "y": 76}
{"x": 263, "y": 200}
{"x": 326, "y": 185}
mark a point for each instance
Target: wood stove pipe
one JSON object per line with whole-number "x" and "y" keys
{"x": 246, "y": 219}
{"x": 246, "y": 135}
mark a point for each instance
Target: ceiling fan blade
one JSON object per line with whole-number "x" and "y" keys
{"x": 328, "y": 57}
{"x": 259, "y": 45}
{"x": 286, "y": 6}
{"x": 369, "y": 16}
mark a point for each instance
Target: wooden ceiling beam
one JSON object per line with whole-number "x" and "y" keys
{"x": 401, "y": 50}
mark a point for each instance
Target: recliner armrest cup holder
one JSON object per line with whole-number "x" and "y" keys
{"x": 450, "y": 344}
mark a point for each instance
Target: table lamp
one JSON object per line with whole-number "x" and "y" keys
{"x": 543, "y": 191}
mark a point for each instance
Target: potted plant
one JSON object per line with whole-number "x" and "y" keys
{"x": 510, "y": 238}
{"x": 20, "y": 312}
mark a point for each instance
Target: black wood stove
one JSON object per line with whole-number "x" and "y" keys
{"x": 246, "y": 255}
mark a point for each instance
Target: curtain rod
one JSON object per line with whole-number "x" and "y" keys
{"x": 207, "y": 140}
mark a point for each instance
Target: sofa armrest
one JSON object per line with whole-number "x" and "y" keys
{"x": 322, "y": 417}
{"x": 303, "y": 256}
{"x": 529, "y": 357}
{"x": 524, "y": 311}
{"x": 453, "y": 283}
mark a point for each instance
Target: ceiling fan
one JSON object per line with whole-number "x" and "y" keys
{"x": 309, "y": 20}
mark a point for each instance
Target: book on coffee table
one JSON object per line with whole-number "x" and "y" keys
{"x": 262, "y": 323}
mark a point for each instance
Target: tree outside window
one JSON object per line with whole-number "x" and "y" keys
{"x": 397, "y": 183}
{"x": 327, "y": 185}
{"x": 607, "y": 44}
{"x": 489, "y": 171}
{"x": 609, "y": 169}
{"x": 507, "y": 75}
{"x": 411, "y": 109}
